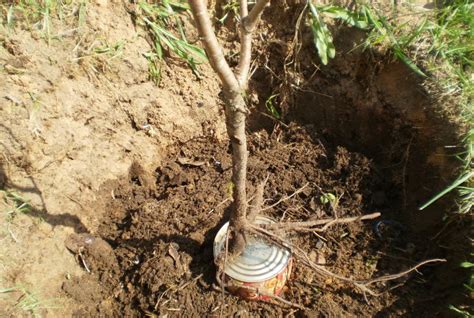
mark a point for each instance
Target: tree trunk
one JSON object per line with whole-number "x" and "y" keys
{"x": 235, "y": 121}
{"x": 235, "y": 110}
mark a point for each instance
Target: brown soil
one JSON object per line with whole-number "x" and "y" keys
{"x": 137, "y": 171}
{"x": 181, "y": 206}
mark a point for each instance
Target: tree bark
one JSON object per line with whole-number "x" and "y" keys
{"x": 235, "y": 109}
{"x": 235, "y": 121}
{"x": 247, "y": 26}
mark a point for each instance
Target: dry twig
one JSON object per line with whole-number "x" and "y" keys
{"x": 285, "y": 198}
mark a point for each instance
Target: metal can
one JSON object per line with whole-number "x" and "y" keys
{"x": 261, "y": 271}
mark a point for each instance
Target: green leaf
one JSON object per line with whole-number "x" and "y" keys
{"x": 467, "y": 265}
{"x": 163, "y": 22}
{"x": 321, "y": 36}
{"x": 356, "y": 19}
{"x": 271, "y": 108}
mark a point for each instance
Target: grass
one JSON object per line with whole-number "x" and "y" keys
{"x": 165, "y": 22}
{"x": 98, "y": 54}
{"x": 271, "y": 108}
{"x": 438, "y": 45}
{"x": 12, "y": 206}
{"x": 37, "y": 15}
{"x": 32, "y": 13}
{"x": 28, "y": 302}
{"x": 322, "y": 38}
{"x": 15, "y": 204}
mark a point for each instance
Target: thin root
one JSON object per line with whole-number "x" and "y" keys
{"x": 303, "y": 257}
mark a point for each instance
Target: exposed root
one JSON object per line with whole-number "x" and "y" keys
{"x": 309, "y": 226}
{"x": 302, "y": 256}
{"x": 401, "y": 274}
{"x": 272, "y": 232}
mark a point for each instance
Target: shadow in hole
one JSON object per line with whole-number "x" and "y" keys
{"x": 386, "y": 114}
{"x": 65, "y": 219}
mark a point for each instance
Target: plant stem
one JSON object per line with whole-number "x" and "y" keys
{"x": 247, "y": 26}
{"x": 235, "y": 121}
{"x": 213, "y": 49}
{"x": 235, "y": 112}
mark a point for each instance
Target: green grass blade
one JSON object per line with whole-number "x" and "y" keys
{"x": 400, "y": 55}
{"x": 454, "y": 185}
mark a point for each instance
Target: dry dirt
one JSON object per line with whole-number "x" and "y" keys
{"x": 71, "y": 120}
{"x": 98, "y": 151}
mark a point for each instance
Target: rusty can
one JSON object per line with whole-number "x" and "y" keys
{"x": 261, "y": 271}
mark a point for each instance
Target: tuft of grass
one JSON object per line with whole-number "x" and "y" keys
{"x": 164, "y": 21}
{"x": 381, "y": 32}
{"x": 37, "y": 15}
{"x": 29, "y": 302}
{"x": 95, "y": 57}
{"x": 16, "y": 204}
{"x": 466, "y": 311}
{"x": 354, "y": 18}
{"x": 438, "y": 46}
{"x": 12, "y": 206}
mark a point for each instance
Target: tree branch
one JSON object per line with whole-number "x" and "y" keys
{"x": 213, "y": 49}
{"x": 248, "y": 21}
{"x": 244, "y": 8}
{"x": 235, "y": 113}
{"x": 252, "y": 19}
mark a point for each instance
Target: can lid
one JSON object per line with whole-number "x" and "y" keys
{"x": 259, "y": 261}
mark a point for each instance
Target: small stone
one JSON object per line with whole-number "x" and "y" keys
{"x": 312, "y": 204}
{"x": 319, "y": 244}
{"x": 198, "y": 237}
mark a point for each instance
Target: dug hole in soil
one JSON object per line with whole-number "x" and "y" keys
{"x": 372, "y": 140}
{"x": 362, "y": 130}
